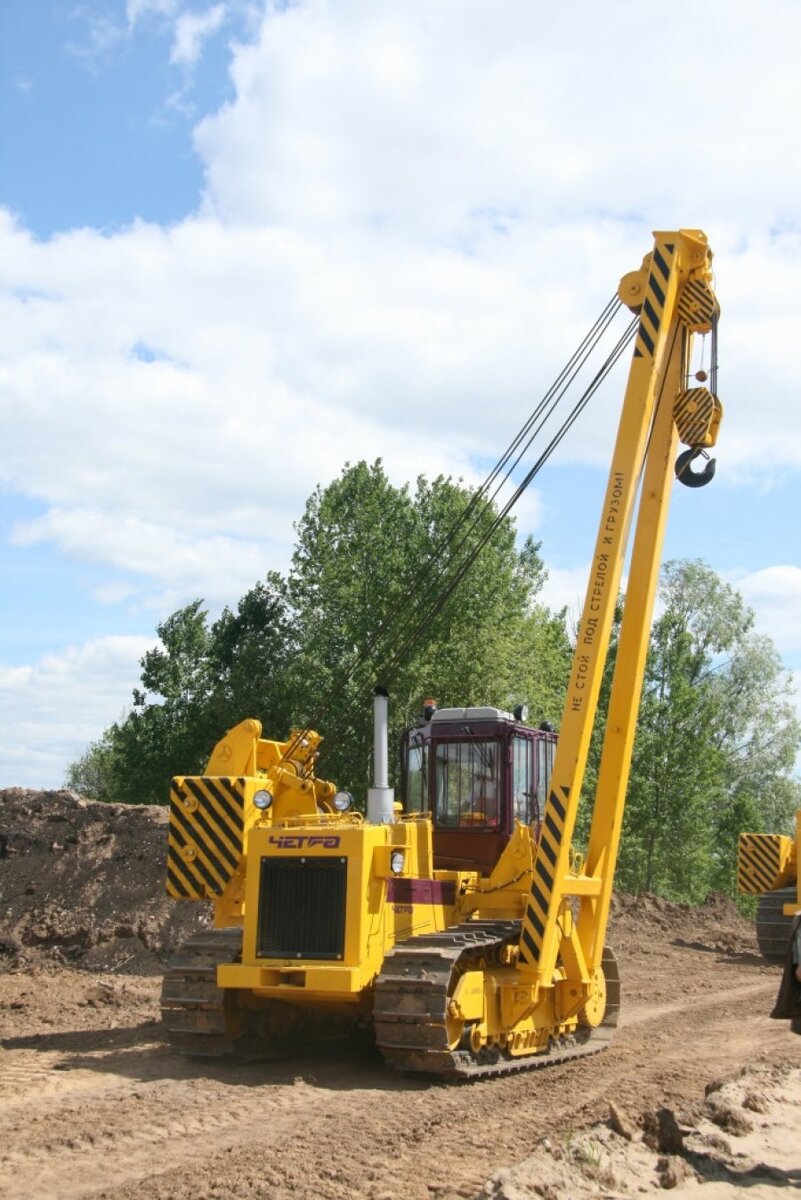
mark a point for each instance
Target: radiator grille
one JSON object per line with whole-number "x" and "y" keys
{"x": 302, "y": 908}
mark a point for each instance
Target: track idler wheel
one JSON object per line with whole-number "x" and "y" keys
{"x": 593, "y": 1010}
{"x": 603, "y": 1004}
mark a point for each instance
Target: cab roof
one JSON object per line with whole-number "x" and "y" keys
{"x": 483, "y": 713}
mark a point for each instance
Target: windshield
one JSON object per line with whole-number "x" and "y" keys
{"x": 467, "y": 784}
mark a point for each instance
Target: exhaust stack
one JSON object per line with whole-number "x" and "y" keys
{"x": 380, "y": 797}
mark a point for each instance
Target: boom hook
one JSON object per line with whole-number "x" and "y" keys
{"x": 685, "y": 473}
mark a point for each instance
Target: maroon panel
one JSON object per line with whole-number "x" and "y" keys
{"x": 468, "y": 849}
{"x": 421, "y": 891}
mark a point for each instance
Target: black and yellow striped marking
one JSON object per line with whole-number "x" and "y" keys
{"x": 693, "y": 413}
{"x": 653, "y": 306}
{"x": 542, "y": 882}
{"x": 697, "y": 306}
{"x": 759, "y": 862}
{"x": 207, "y": 818}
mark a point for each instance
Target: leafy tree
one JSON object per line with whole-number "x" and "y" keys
{"x": 471, "y": 649}
{"x": 716, "y": 741}
{"x": 251, "y": 651}
{"x": 369, "y": 561}
{"x": 95, "y": 772}
{"x": 539, "y": 665}
{"x": 199, "y": 681}
{"x": 133, "y": 761}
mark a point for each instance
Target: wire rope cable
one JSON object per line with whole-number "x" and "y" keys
{"x": 388, "y": 667}
{"x": 417, "y": 594}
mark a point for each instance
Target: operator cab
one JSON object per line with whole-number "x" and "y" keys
{"x": 476, "y": 771}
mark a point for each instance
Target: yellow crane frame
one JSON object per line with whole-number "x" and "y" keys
{"x": 259, "y": 807}
{"x": 672, "y": 292}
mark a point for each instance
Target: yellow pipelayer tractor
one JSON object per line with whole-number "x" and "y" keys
{"x": 460, "y": 925}
{"x": 768, "y": 867}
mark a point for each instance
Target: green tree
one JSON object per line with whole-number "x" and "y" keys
{"x": 370, "y": 562}
{"x": 134, "y": 760}
{"x": 197, "y": 682}
{"x": 716, "y": 741}
{"x": 250, "y": 655}
{"x": 357, "y": 608}
{"x": 95, "y": 773}
{"x": 351, "y": 568}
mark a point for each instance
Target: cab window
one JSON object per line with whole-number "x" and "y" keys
{"x": 416, "y": 776}
{"x": 468, "y": 784}
{"x": 545, "y": 756}
{"x": 524, "y": 780}
{"x": 544, "y": 764}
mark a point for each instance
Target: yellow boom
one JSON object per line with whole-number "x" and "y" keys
{"x": 673, "y": 294}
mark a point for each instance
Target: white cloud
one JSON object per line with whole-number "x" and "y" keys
{"x": 184, "y": 565}
{"x": 192, "y": 29}
{"x": 775, "y": 595}
{"x": 453, "y": 117}
{"x": 412, "y": 213}
{"x": 103, "y": 35}
{"x": 189, "y": 28}
{"x": 50, "y": 710}
{"x": 135, "y": 10}
{"x": 229, "y": 427}
{"x": 398, "y": 253}
{"x": 275, "y": 358}
{"x": 566, "y": 588}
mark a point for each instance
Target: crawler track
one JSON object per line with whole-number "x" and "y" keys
{"x": 411, "y": 1001}
{"x": 772, "y": 927}
{"x": 202, "y": 1020}
{"x": 196, "y": 1015}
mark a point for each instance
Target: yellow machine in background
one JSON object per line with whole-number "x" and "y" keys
{"x": 767, "y": 866}
{"x": 458, "y": 924}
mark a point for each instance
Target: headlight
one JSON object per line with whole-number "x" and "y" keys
{"x": 396, "y": 861}
{"x": 262, "y": 800}
{"x": 343, "y": 801}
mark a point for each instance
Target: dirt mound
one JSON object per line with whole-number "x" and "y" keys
{"x": 716, "y": 925}
{"x": 741, "y": 1136}
{"x": 82, "y": 883}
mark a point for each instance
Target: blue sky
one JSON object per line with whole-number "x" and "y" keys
{"x": 242, "y": 243}
{"x": 77, "y": 151}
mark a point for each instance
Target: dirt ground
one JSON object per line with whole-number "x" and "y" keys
{"x": 93, "y": 1104}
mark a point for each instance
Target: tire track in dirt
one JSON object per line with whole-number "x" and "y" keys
{"x": 93, "y": 1105}
{"x": 639, "y": 1014}
{"x": 71, "y": 1142}
{"x": 77, "y": 1160}
{"x": 352, "y": 1131}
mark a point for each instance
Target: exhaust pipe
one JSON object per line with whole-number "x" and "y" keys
{"x": 380, "y": 797}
